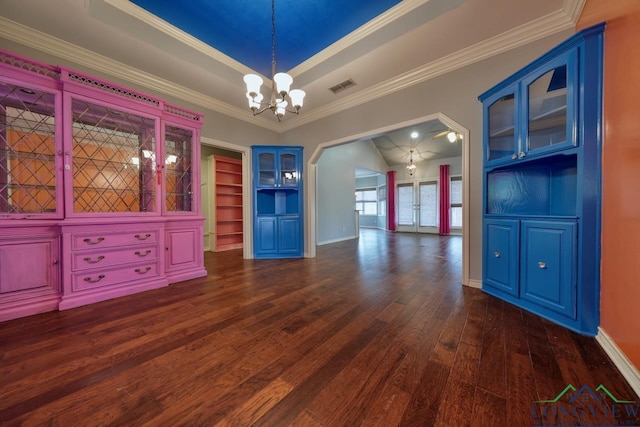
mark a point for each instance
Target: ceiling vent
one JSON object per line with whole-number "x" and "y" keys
{"x": 342, "y": 86}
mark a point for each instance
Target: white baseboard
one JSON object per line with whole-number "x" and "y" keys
{"x": 341, "y": 239}
{"x": 628, "y": 370}
{"x": 475, "y": 284}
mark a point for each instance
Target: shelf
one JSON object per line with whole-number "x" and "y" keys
{"x": 228, "y": 184}
{"x": 228, "y": 203}
{"x": 508, "y": 131}
{"x": 237, "y": 233}
{"x": 229, "y": 171}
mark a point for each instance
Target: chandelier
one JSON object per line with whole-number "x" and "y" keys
{"x": 281, "y": 96}
{"x": 411, "y": 168}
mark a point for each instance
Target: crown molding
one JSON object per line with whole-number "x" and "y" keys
{"x": 519, "y": 36}
{"x": 398, "y": 11}
{"x": 38, "y": 40}
{"x": 573, "y": 9}
{"x": 153, "y": 21}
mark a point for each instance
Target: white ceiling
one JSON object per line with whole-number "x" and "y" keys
{"x": 412, "y": 42}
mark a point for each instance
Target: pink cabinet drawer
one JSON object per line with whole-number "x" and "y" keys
{"x": 99, "y": 278}
{"x": 104, "y": 240}
{"x": 116, "y": 256}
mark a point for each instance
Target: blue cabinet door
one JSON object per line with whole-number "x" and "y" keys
{"x": 550, "y": 107}
{"x": 501, "y": 255}
{"x": 266, "y": 232}
{"x": 289, "y": 235}
{"x": 548, "y": 265}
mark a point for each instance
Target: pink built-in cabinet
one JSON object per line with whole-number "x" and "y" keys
{"x": 99, "y": 190}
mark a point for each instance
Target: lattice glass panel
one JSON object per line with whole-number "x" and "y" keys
{"x": 27, "y": 151}
{"x": 179, "y": 169}
{"x": 113, "y": 160}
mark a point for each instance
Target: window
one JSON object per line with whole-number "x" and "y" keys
{"x": 456, "y": 202}
{"x": 367, "y": 201}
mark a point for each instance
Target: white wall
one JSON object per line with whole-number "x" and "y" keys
{"x": 335, "y": 188}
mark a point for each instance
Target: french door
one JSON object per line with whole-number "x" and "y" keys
{"x": 417, "y": 207}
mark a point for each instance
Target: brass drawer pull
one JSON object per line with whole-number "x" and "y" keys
{"x": 141, "y": 271}
{"x": 542, "y": 265}
{"x": 141, "y": 237}
{"x": 140, "y": 254}
{"x": 93, "y": 261}
{"x": 90, "y": 280}
{"x": 91, "y": 242}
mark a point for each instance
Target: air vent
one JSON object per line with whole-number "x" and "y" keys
{"x": 342, "y": 86}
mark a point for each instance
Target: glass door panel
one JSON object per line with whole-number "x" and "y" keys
{"x": 178, "y": 169}
{"x": 406, "y": 208}
{"x": 267, "y": 169}
{"x": 114, "y": 160}
{"x": 288, "y": 172}
{"x": 502, "y": 139}
{"x": 27, "y": 151}
{"x": 428, "y": 192}
{"x": 547, "y": 121}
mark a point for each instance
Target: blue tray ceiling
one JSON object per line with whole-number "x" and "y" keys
{"x": 241, "y": 29}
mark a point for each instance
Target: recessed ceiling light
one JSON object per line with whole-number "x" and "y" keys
{"x": 414, "y": 135}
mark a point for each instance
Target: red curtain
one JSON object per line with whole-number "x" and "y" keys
{"x": 445, "y": 200}
{"x": 391, "y": 200}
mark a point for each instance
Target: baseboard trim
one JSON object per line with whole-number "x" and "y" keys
{"x": 627, "y": 369}
{"x": 475, "y": 284}
{"x": 341, "y": 239}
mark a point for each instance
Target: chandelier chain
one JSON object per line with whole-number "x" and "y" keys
{"x": 273, "y": 38}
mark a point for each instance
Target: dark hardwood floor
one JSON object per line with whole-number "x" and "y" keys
{"x": 375, "y": 332}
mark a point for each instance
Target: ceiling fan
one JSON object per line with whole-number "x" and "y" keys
{"x": 451, "y": 135}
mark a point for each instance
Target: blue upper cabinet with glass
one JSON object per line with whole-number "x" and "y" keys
{"x": 541, "y": 184}
{"x": 277, "y": 196}
{"x": 535, "y": 115}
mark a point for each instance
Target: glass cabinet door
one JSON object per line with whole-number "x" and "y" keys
{"x": 502, "y": 140}
{"x": 114, "y": 160}
{"x": 266, "y": 169}
{"x": 550, "y": 107}
{"x": 28, "y": 180}
{"x": 288, "y": 170}
{"x": 178, "y": 161}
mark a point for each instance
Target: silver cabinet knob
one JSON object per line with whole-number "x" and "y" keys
{"x": 497, "y": 254}
{"x": 542, "y": 265}
{"x": 522, "y": 154}
{"x": 514, "y": 156}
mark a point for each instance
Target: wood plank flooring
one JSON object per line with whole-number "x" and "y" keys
{"x": 374, "y": 332}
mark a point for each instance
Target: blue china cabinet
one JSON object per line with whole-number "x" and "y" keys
{"x": 541, "y": 184}
{"x": 277, "y": 190}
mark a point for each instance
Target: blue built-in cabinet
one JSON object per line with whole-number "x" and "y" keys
{"x": 277, "y": 189}
{"x": 542, "y": 181}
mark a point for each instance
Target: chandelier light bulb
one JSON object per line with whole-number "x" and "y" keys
{"x": 452, "y": 136}
{"x": 283, "y": 83}
{"x": 297, "y": 97}
{"x": 253, "y": 82}
{"x": 254, "y": 101}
